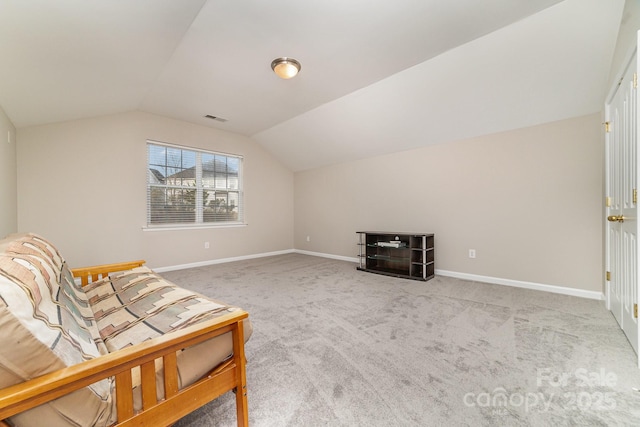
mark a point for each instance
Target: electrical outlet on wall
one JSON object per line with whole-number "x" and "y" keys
{"x": 472, "y": 253}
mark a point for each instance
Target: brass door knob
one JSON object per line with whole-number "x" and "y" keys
{"x": 614, "y": 218}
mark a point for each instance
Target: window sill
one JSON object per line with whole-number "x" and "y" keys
{"x": 192, "y": 227}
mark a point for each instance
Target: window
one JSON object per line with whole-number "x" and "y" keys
{"x": 187, "y": 187}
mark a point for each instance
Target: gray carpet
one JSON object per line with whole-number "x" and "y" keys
{"x": 333, "y": 346}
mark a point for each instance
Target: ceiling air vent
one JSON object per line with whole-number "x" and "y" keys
{"x": 218, "y": 119}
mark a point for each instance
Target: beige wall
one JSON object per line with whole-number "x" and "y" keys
{"x": 8, "y": 177}
{"x": 83, "y": 185}
{"x": 528, "y": 201}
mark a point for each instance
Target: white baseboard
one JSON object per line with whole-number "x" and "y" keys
{"x": 526, "y": 285}
{"x": 323, "y": 255}
{"x": 222, "y": 260}
{"x": 465, "y": 276}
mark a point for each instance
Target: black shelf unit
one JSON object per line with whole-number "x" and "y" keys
{"x": 398, "y": 254}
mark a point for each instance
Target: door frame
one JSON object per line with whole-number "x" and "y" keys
{"x": 632, "y": 61}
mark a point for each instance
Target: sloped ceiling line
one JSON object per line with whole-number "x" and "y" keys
{"x": 376, "y": 76}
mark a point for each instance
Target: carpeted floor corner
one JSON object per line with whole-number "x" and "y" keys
{"x": 333, "y": 346}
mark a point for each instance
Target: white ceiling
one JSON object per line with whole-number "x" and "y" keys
{"x": 376, "y": 76}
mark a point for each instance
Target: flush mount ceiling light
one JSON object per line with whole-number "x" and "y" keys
{"x": 285, "y": 68}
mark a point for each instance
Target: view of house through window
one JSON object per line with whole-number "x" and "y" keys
{"x": 192, "y": 187}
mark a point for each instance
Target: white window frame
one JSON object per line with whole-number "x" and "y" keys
{"x": 200, "y": 188}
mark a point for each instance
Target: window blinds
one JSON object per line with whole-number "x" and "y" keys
{"x": 190, "y": 187}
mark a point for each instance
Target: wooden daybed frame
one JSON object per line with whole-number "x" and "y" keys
{"x": 229, "y": 375}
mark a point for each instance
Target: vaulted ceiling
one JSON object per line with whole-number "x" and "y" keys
{"x": 376, "y": 76}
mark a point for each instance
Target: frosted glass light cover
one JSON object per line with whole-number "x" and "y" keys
{"x": 285, "y": 68}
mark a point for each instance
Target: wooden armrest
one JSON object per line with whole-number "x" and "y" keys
{"x": 95, "y": 272}
{"x": 24, "y": 396}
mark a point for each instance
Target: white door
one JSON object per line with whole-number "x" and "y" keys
{"x": 622, "y": 211}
